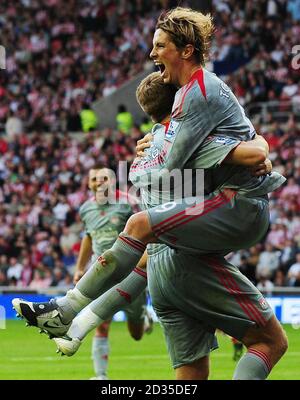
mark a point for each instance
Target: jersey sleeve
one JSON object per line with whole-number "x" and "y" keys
{"x": 213, "y": 152}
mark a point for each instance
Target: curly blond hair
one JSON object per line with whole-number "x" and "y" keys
{"x": 187, "y": 26}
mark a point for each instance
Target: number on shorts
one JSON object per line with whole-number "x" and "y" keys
{"x": 166, "y": 207}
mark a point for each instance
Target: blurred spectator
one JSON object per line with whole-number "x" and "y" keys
{"x": 41, "y": 279}
{"x": 280, "y": 279}
{"x": 13, "y": 126}
{"x": 67, "y": 239}
{"x": 68, "y": 258}
{"x": 146, "y": 125}
{"x": 268, "y": 262}
{"x": 288, "y": 255}
{"x": 88, "y": 117}
{"x": 124, "y": 120}
{"x": 247, "y": 269}
{"x": 294, "y": 273}
{"x": 66, "y": 282}
{"x": 3, "y": 279}
{"x": 265, "y": 285}
{"x": 15, "y": 269}
{"x": 4, "y": 265}
{"x": 61, "y": 209}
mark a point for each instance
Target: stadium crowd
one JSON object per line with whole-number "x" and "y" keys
{"x": 61, "y": 57}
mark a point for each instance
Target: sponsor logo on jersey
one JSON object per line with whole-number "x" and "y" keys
{"x": 172, "y": 129}
{"x": 224, "y": 90}
{"x": 224, "y": 140}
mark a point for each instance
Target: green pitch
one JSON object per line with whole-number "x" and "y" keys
{"x": 24, "y": 354}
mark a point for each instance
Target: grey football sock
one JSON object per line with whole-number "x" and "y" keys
{"x": 108, "y": 304}
{"x": 71, "y": 304}
{"x": 254, "y": 365}
{"x": 100, "y": 353}
{"x": 120, "y": 260}
{"x": 110, "y": 268}
{"x": 120, "y": 295}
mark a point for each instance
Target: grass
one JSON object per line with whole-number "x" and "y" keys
{"x": 24, "y": 354}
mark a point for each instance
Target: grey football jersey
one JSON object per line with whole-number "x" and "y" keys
{"x": 103, "y": 223}
{"x": 209, "y": 157}
{"x": 205, "y": 106}
{"x": 207, "y": 122}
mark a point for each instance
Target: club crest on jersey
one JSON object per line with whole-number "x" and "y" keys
{"x": 102, "y": 213}
{"x": 263, "y": 303}
{"x": 172, "y": 129}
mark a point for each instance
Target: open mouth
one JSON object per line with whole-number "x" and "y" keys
{"x": 161, "y": 67}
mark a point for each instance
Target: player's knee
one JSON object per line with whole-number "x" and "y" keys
{"x": 136, "y": 330}
{"x": 137, "y": 335}
{"x": 138, "y": 226}
{"x": 282, "y": 343}
{"x": 203, "y": 374}
{"x": 272, "y": 337}
{"x": 278, "y": 341}
{"x": 197, "y": 370}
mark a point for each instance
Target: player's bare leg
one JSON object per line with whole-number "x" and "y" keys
{"x": 100, "y": 350}
{"x": 198, "y": 370}
{"x": 265, "y": 345}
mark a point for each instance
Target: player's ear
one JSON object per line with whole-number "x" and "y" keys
{"x": 187, "y": 51}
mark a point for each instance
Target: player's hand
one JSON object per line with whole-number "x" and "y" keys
{"x": 262, "y": 169}
{"x": 143, "y": 144}
{"x": 77, "y": 276}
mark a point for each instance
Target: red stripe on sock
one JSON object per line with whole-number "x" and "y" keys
{"x": 140, "y": 272}
{"x": 262, "y": 356}
{"x": 133, "y": 243}
{"x": 126, "y": 295}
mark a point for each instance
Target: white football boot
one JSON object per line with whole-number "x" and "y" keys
{"x": 45, "y": 316}
{"x": 67, "y": 346}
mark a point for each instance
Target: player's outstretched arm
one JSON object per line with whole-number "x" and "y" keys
{"x": 84, "y": 256}
{"x": 249, "y": 154}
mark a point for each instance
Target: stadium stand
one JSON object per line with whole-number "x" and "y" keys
{"x": 62, "y": 57}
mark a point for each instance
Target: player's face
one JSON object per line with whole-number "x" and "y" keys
{"x": 100, "y": 183}
{"x": 167, "y": 57}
